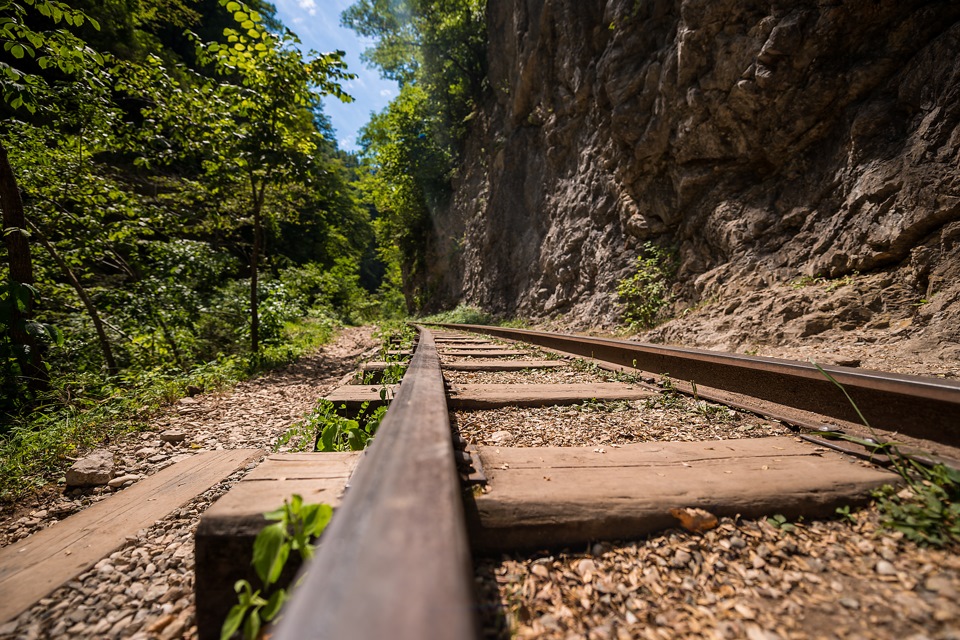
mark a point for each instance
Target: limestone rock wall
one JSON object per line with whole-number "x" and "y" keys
{"x": 765, "y": 140}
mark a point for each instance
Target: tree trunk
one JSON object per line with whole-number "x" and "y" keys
{"x": 21, "y": 273}
{"x": 255, "y": 264}
{"x": 87, "y": 301}
{"x": 168, "y": 336}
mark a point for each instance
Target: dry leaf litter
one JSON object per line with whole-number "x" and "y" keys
{"x": 746, "y": 579}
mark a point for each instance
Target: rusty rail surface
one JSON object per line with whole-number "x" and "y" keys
{"x": 920, "y": 407}
{"x": 395, "y": 561}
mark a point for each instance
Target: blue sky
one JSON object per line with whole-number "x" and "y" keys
{"x": 317, "y": 22}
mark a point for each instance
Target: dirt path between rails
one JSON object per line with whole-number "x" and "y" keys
{"x": 145, "y": 590}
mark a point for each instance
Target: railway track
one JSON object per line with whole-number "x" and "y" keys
{"x": 396, "y": 560}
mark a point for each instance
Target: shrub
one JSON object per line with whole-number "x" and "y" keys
{"x": 646, "y": 294}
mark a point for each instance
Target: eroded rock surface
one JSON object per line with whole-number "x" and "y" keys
{"x": 766, "y": 141}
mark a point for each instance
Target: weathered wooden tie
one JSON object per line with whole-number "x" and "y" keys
{"x": 492, "y": 396}
{"x": 486, "y": 353}
{"x": 540, "y": 497}
{"x": 352, "y": 396}
{"x": 501, "y": 365}
{"x": 485, "y": 346}
{"x": 35, "y": 566}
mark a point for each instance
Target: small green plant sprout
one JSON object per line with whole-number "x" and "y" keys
{"x": 780, "y": 522}
{"x": 806, "y": 281}
{"x": 669, "y": 398}
{"x": 845, "y": 513}
{"x": 646, "y": 294}
{"x": 927, "y": 511}
{"x": 704, "y": 408}
{"x": 295, "y": 528}
{"x": 830, "y": 285}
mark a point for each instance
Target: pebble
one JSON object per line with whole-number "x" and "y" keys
{"x": 680, "y": 559}
{"x": 708, "y": 585}
{"x": 173, "y": 436}
{"x": 120, "y": 481}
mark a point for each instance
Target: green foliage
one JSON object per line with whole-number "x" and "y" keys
{"x": 394, "y": 335}
{"x": 463, "y": 314}
{"x": 155, "y": 169}
{"x": 646, "y": 294}
{"x": 82, "y": 409}
{"x": 408, "y": 179}
{"x": 324, "y": 429}
{"x": 138, "y": 175}
{"x": 297, "y": 526}
{"x": 35, "y": 48}
{"x": 780, "y": 522}
{"x": 14, "y": 295}
{"x": 928, "y": 510}
{"x": 436, "y": 49}
{"x": 828, "y": 284}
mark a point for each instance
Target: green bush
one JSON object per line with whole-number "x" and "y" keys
{"x": 463, "y": 314}
{"x": 646, "y": 294}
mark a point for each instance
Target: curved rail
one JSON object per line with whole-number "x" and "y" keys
{"x": 395, "y": 562}
{"x": 920, "y": 407}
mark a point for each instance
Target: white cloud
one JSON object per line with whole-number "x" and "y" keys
{"x": 309, "y": 5}
{"x": 387, "y": 93}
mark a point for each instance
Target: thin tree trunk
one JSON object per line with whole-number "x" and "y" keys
{"x": 255, "y": 264}
{"x": 84, "y": 297}
{"x": 168, "y": 336}
{"x": 21, "y": 273}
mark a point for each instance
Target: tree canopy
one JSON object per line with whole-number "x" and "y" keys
{"x": 169, "y": 188}
{"x": 436, "y": 50}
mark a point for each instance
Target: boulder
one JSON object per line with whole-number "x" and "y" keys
{"x": 93, "y": 470}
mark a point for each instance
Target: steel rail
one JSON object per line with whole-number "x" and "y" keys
{"x": 395, "y": 560}
{"x": 920, "y": 407}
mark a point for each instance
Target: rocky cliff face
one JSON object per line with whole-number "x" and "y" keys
{"x": 765, "y": 140}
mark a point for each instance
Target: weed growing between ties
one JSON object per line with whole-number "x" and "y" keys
{"x": 324, "y": 429}
{"x": 329, "y": 428}
{"x": 669, "y": 396}
{"x": 395, "y": 335}
{"x": 297, "y": 526}
{"x": 927, "y": 510}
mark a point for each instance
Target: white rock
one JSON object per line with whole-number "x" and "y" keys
{"x": 122, "y": 480}
{"x": 173, "y": 436}
{"x": 93, "y": 470}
